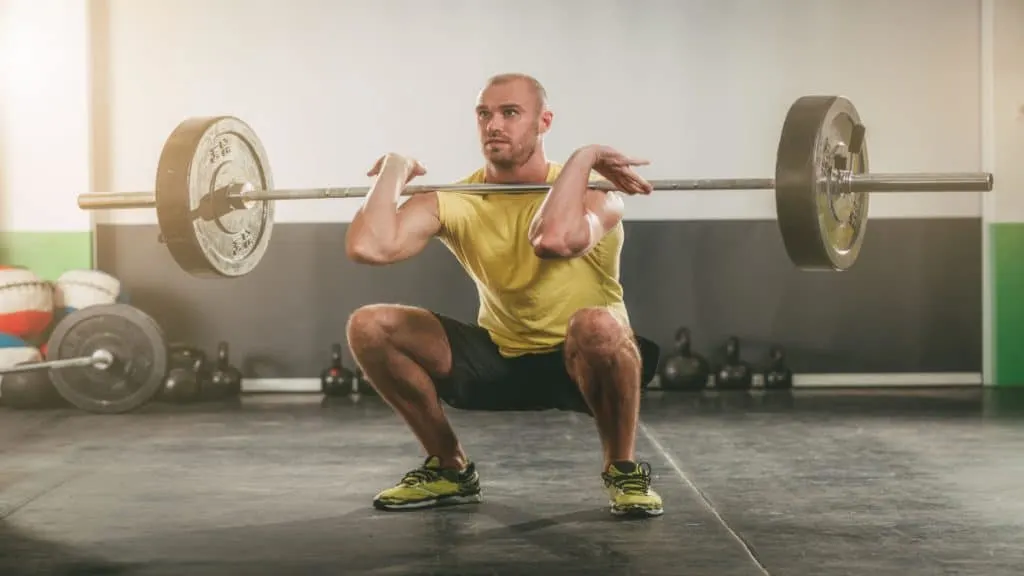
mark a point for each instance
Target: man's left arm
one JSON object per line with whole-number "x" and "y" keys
{"x": 573, "y": 217}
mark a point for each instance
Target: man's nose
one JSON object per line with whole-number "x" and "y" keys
{"x": 494, "y": 126}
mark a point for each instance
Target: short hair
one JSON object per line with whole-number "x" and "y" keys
{"x": 535, "y": 85}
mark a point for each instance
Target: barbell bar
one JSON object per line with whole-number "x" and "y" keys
{"x": 215, "y": 196}
{"x": 100, "y": 359}
{"x": 856, "y": 183}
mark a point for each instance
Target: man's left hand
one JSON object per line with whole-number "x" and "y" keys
{"x": 618, "y": 169}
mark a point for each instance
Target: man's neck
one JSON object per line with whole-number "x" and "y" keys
{"x": 535, "y": 170}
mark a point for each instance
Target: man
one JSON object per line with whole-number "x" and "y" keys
{"x": 553, "y": 330}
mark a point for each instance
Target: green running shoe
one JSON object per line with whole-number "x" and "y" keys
{"x": 629, "y": 490}
{"x": 431, "y": 485}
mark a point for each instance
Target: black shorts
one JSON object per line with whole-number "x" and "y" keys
{"x": 482, "y": 379}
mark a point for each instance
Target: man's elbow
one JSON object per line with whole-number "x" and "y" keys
{"x": 362, "y": 251}
{"x": 557, "y": 246}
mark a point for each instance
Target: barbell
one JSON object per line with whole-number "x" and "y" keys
{"x": 105, "y": 359}
{"x": 215, "y": 193}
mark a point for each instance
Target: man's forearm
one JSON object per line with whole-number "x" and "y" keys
{"x": 562, "y": 217}
{"x": 376, "y": 223}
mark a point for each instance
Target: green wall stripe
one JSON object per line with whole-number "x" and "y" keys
{"x": 48, "y": 254}
{"x": 1008, "y": 302}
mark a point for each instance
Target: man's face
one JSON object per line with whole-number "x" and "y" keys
{"x": 511, "y": 120}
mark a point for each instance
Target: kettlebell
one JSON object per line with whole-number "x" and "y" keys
{"x": 192, "y": 358}
{"x": 684, "y": 369}
{"x": 336, "y": 380}
{"x": 734, "y": 374}
{"x": 777, "y": 376}
{"x": 361, "y": 385}
{"x": 225, "y": 380}
{"x": 181, "y": 386}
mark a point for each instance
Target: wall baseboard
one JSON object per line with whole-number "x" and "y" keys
{"x": 924, "y": 379}
{"x": 883, "y": 380}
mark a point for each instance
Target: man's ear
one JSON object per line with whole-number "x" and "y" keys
{"x": 546, "y": 118}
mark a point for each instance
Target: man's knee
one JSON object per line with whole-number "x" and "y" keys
{"x": 598, "y": 334}
{"x": 373, "y": 325}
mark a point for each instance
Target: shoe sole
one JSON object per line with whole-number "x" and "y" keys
{"x": 432, "y": 503}
{"x": 636, "y": 512}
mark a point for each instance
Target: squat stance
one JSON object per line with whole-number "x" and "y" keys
{"x": 553, "y": 331}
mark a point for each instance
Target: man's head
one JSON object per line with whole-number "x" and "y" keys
{"x": 512, "y": 116}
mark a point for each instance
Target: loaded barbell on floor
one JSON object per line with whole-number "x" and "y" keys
{"x": 105, "y": 359}
{"x": 215, "y": 194}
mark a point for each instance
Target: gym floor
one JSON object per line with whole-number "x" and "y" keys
{"x": 815, "y": 482}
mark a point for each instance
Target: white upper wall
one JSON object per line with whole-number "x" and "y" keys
{"x": 44, "y": 115}
{"x": 698, "y": 87}
{"x": 1006, "y": 138}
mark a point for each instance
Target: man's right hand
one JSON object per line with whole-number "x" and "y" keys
{"x": 384, "y": 230}
{"x": 409, "y": 167}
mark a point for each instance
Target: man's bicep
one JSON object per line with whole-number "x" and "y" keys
{"x": 608, "y": 209}
{"x": 418, "y": 222}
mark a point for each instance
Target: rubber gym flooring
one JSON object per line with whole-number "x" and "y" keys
{"x": 818, "y": 483}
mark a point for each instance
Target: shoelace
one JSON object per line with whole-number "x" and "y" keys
{"x": 639, "y": 482}
{"x": 420, "y": 476}
{"x": 632, "y": 484}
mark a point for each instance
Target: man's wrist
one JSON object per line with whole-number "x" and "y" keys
{"x": 398, "y": 168}
{"x": 587, "y": 154}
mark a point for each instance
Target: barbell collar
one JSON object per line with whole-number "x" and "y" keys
{"x": 100, "y": 359}
{"x": 117, "y": 200}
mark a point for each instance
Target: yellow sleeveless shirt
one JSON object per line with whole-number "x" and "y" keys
{"x": 525, "y": 301}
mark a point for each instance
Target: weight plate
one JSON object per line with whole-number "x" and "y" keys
{"x": 200, "y": 156}
{"x": 822, "y": 224}
{"x": 139, "y": 349}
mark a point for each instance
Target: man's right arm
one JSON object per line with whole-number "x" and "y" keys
{"x": 383, "y": 233}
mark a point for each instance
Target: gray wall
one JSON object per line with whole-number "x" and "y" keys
{"x": 912, "y": 303}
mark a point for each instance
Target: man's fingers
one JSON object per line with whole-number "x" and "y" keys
{"x": 416, "y": 170}
{"x": 375, "y": 169}
{"x": 620, "y": 159}
{"x": 414, "y": 167}
{"x": 638, "y": 185}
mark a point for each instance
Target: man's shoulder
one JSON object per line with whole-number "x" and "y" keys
{"x": 454, "y": 197}
{"x": 477, "y": 176}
